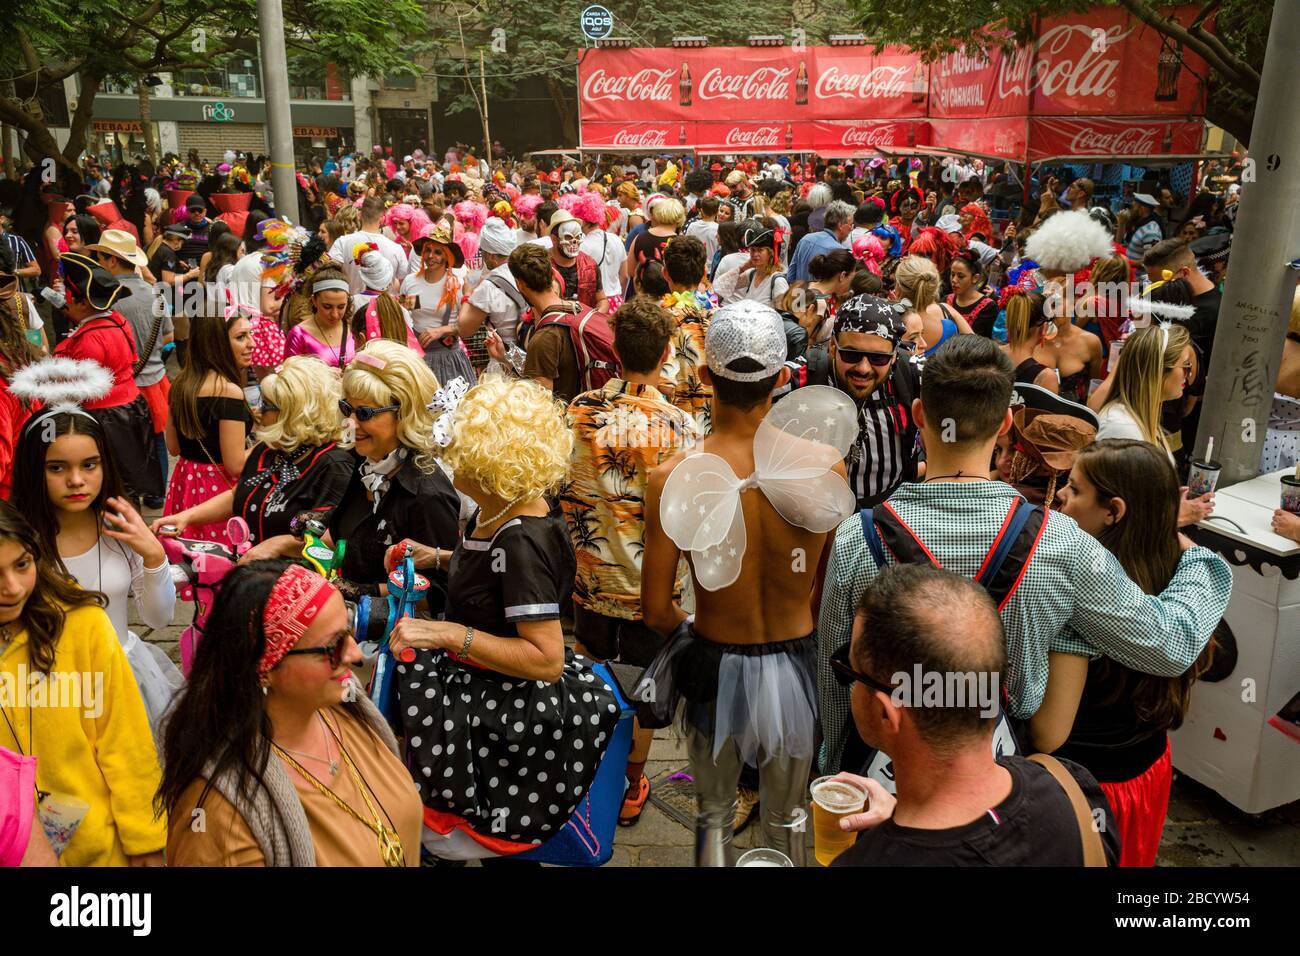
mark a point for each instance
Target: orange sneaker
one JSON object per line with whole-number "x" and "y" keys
{"x": 634, "y": 803}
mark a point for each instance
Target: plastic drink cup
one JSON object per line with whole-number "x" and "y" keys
{"x": 1291, "y": 494}
{"x": 832, "y": 801}
{"x": 61, "y": 814}
{"x": 764, "y": 857}
{"x": 1202, "y": 478}
{"x": 1116, "y": 347}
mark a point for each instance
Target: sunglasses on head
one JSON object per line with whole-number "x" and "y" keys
{"x": 854, "y": 356}
{"x": 364, "y": 413}
{"x": 847, "y": 676}
{"x": 334, "y": 650}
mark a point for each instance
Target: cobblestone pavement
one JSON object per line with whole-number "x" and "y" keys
{"x": 1202, "y": 828}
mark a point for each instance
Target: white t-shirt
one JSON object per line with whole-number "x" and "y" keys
{"x": 501, "y": 310}
{"x": 246, "y": 281}
{"x": 426, "y": 314}
{"x": 732, "y": 260}
{"x": 341, "y": 251}
{"x": 608, "y": 253}
{"x": 543, "y": 241}
{"x": 1116, "y": 421}
{"x": 707, "y": 233}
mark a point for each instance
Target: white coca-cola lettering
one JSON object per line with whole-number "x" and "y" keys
{"x": 1086, "y": 74}
{"x": 753, "y": 138}
{"x": 648, "y": 137}
{"x": 880, "y": 82}
{"x": 1130, "y": 141}
{"x": 868, "y": 135}
{"x": 765, "y": 83}
{"x": 643, "y": 85}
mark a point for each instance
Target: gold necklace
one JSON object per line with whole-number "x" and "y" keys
{"x": 327, "y": 759}
{"x": 390, "y": 844}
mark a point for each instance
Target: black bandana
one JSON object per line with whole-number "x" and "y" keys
{"x": 872, "y": 315}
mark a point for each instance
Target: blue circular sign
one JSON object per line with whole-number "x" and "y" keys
{"x": 597, "y": 22}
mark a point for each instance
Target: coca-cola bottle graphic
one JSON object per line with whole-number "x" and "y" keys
{"x": 684, "y": 85}
{"x": 681, "y": 134}
{"x": 789, "y": 135}
{"x": 1168, "y": 67}
{"x": 801, "y": 85}
{"x": 1167, "y": 144}
{"x": 918, "y": 85}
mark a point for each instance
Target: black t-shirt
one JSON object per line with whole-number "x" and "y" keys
{"x": 1203, "y": 323}
{"x": 523, "y": 573}
{"x": 206, "y": 450}
{"x": 569, "y": 274}
{"x": 417, "y": 505}
{"x": 1108, "y": 737}
{"x": 164, "y": 260}
{"x": 1034, "y": 826}
{"x": 276, "y": 486}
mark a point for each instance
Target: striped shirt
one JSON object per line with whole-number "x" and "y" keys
{"x": 1071, "y": 580}
{"x": 875, "y": 463}
{"x": 19, "y": 248}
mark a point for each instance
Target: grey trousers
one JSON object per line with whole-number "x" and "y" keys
{"x": 782, "y": 792}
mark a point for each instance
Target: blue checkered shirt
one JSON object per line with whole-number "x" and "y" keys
{"x": 1074, "y": 597}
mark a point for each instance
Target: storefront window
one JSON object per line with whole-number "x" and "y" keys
{"x": 239, "y": 75}
{"x": 312, "y": 78}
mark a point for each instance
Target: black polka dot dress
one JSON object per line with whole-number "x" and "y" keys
{"x": 512, "y": 757}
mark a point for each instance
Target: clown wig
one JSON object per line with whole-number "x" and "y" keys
{"x": 470, "y": 214}
{"x": 587, "y": 206}
{"x": 416, "y": 217}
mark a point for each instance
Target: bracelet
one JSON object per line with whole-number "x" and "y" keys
{"x": 437, "y": 560}
{"x": 469, "y": 639}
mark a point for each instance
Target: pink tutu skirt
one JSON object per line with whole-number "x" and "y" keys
{"x": 193, "y": 483}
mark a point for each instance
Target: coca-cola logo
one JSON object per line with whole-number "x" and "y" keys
{"x": 868, "y": 136}
{"x": 645, "y": 137}
{"x": 1130, "y": 141}
{"x": 1091, "y": 72}
{"x": 765, "y": 83}
{"x": 641, "y": 86}
{"x": 753, "y": 138}
{"x": 880, "y": 82}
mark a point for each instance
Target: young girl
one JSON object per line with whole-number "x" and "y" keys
{"x": 969, "y": 295}
{"x": 99, "y": 749}
{"x": 325, "y": 334}
{"x": 1110, "y": 719}
{"x": 67, "y": 484}
{"x": 209, "y": 419}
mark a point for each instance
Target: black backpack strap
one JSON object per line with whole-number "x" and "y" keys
{"x": 901, "y": 540}
{"x": 1004, "y": 565}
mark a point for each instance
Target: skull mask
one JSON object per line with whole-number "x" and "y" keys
{"x": 570, "y": 236}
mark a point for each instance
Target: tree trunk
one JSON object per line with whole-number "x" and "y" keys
{"x": 143, "y": 91}
{"x": 8, "y": 144}
{"x": 90, "y": 80}
{"x": 561, "y": 97}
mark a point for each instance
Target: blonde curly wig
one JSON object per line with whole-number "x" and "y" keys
{"x": 511, "y": 438}
{"x": 307, "y": 393}
{"x": 405, "y": 381}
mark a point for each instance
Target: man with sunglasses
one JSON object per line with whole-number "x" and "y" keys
{"x": 862, "y": 361}
{"x": 956, "y": 803}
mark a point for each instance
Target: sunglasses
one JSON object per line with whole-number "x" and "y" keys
{"x": 268, "y": 406}
{"x": 364, "y": 413}
{"x": 334, "y": 650}
{"x": 847, "y": 676}
{"x": 854, "y": 356}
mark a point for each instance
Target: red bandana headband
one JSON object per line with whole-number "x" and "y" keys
{"x": 296, "y": 599}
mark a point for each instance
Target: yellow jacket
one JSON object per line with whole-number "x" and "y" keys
{"x": 87, "y": 726}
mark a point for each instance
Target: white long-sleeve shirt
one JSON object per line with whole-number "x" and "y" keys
{"x": 119, "y": 572}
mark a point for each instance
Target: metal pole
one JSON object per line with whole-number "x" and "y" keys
{"x": 1259, "y": 289}
{"x": 487, "y": 135}
{"x": 279, "y": 124}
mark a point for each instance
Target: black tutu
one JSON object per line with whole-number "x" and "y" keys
{"x": 512, "y": 757}
{"x": 448, "y": 363}
{"x": 764, "y": 696}
{"x": 129, "y": 429}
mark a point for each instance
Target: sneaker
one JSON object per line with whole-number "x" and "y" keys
{"x": 634, "y": 803}
{"x": 746, "y": 805}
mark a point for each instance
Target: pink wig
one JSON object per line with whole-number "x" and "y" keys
{"x": 470, "y": 214}
{"x": 418, "y": 218}
{"x": 526, "y": 206}
{"x": 587, "y": 206}
{"x": 868, "y": 250}
{"x": 468, "y": 243}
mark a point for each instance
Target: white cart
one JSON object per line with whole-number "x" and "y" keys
{"x": 1226, "y": 741}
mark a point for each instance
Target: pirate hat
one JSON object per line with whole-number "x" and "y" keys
{"x": 86, "y": 279}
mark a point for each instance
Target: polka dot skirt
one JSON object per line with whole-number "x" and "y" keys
{"x": 193, "y": 483}
{"x": 512, "y": 757}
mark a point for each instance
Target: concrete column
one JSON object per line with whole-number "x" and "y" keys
{"x": 279, "y": 123}
{"x": 363, "y": 124}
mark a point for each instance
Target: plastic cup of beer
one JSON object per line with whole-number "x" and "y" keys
{"x": 832, "y": 801}
{"x": 61, "y": 814}
{"x": 763, "y": 856}
{"x": 1203, "y": 478}
{"x": 1291, "y": 494}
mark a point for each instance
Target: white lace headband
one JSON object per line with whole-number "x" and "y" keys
{"x": 326, "y": 285}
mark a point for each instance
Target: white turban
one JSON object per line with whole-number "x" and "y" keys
{"x": 376, "y": 271}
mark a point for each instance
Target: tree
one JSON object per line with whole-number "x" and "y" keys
{"x": 1234, "y": 50}
{"x": 51, "y": 40}
{"x": 548, "y": 45}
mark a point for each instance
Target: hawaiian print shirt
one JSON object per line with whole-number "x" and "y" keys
{"x": 692, "y": 311}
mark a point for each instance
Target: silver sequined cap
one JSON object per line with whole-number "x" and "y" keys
{"x": 745, "y": 329}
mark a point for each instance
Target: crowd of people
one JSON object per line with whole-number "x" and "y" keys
{"x": 766, "y": 434}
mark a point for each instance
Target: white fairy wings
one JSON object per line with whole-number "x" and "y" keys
{"x": 796, "y": 449}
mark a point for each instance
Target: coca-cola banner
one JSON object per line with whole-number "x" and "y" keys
{"x": 844, "y": 138}
{"x": 647, "y": 137}
{"x": 847, "y": 138}
{"x": 1102, "y": 137}
{"x": 750, "y": 84}
{"x": 1003, "y": 137}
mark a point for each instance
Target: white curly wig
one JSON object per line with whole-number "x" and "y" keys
{"x": 1067, "y": 242}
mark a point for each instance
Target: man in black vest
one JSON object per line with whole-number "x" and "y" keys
{"x": 862, "y": 361}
